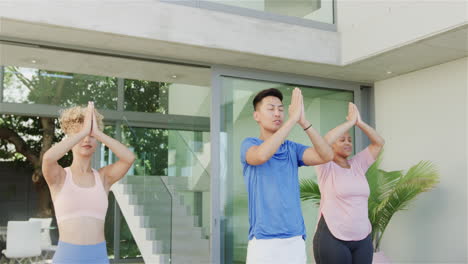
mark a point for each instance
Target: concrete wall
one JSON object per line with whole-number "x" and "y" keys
{"x": 371, "y": 27}
{"x": 171, "y": 23}
{"x": 423, "y": 116}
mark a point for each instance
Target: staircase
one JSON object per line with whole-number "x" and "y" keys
{"x": 161, "y": 223}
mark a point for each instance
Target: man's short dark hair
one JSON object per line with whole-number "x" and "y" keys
{"x": 265, "y": 93}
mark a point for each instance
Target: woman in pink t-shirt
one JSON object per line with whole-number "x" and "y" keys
{"x": 343, "y": 232}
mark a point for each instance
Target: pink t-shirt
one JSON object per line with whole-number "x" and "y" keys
{"x": 345, "y": 194}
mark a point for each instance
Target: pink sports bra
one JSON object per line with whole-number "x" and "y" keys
{"x": 74, "y": 201}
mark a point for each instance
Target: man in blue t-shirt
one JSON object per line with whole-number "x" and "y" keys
{"x": 270, "y": 168}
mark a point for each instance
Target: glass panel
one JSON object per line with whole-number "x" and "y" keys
{"x": 317, "y": 10}
{"x": 171, "y": 171}
{"x": 35, "y": 86}
{"x": 150, "y": 147}
{"x": 189, "y": 163}
{"x": 325, "y": 108}
{"x": 128, "y": 247}
{"x": 190, "y": 99}
{"x": 146, "y": 96}
{"x": 188, "y": 173}
{"x": 40, "y": 76}
{"x": 167, "y": 98}
{"x": 148, "y": 190}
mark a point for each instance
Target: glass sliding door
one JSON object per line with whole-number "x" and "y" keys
{"x": 325, "y": 108}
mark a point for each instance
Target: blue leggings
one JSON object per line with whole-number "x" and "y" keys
{"x": 67, "y": 253}
{"x": 330, "y": 250}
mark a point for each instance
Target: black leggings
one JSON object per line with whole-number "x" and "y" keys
{"x": 330, "y": 250}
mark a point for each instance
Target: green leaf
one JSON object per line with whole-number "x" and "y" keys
{"x": 310, "y": 191}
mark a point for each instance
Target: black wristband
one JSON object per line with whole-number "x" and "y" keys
{"x": 308, "y": 127}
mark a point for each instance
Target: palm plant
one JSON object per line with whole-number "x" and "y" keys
{"x": 389, "y": 192}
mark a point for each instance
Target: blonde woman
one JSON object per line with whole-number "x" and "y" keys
{"x": 79, "y": 192}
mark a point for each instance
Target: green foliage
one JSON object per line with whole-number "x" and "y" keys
{"x": 25, "y": 85}
{"x": 151, "y": 147}
{"x": 310, "y": 191}
{"x": 146, "y": 96}
{"x": 30, "y": 130}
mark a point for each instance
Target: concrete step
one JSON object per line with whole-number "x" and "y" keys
{"x": 183, "y": 259}
{"x": 182, "y": 233}
{"x": 183, "y": 247}
{"x": 131, "y": 188}
{"x": 160, "y": 247}
{"x": 174, "y": 180}
{"x": 177, "y": 211}
{"x": 157, "y": 180}
{"x": 155, "y": 200}
{"x": 158, "y": 223}
{"x": 152, "y": 209}
{"x": 164, "y": 221}
{"x": 147, "y": 247}
{"x": 163, "y": 195}
{"x": 142, "y": 179}
{"x": 200, "y": 247}
{"x": 159, "y": 259}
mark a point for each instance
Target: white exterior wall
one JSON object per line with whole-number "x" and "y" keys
{"x": 423, "y": 116}
{"x": 370, "y": 27}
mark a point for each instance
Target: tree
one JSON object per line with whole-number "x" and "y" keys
{"x": 23, "y": 133}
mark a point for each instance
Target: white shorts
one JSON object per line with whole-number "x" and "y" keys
{"x": 277, "y": 251}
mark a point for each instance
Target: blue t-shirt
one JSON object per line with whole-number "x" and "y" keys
{"x": 273, "y": 190}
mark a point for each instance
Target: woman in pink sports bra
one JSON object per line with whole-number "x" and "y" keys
{"x": 343, "y": 231}
{"x": 79, "y": 192}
